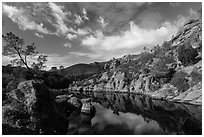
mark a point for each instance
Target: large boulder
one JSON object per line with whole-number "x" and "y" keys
{"x": 32, "y": 106}
{"x": 87, "y": 107}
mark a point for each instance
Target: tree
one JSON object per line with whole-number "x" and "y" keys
{"x": 53, "y": 69}
{"x": 41, "y": 60}
{"x": 61, "y": 67}
{"x": 16, "y": 62}
{"x": 15, "y": 48}
{"x": 180, "y": 81}
{"x": 166, "y": 45}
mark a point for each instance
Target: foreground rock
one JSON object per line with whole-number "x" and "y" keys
{"x": 32, "y": 107}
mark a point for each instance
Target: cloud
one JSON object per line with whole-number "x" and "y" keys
{"x": 85, "y": 14}
{"x": 60, "y": 16}
{"x": 102, "y": 21}
{"x": 77, "y": 53}
{"x": 130, "y": 41}
{"x": 6, "y": 60}
{"x": 82, "y": 31}
{"x": 134, "y": 37}
{"x": 20, "y": 16}
{"x": 78, "y": 19}
{"x": 115, "y": 14}
{"x": 39, "y": 35}
{"x": 67, "y": 45}
{"x": 71, "y": 36}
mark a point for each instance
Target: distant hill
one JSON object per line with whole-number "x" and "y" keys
{"x": 81, "y": 69}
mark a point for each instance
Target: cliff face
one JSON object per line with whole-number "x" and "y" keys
{"x": 170, "y": 71}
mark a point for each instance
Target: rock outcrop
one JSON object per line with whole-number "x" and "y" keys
{"x": 31, "y": 106}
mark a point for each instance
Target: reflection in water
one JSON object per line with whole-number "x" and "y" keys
{"x": 135, "y": 124}
{"x": 123, "y": 113}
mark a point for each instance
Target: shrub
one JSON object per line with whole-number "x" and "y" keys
{"x": 166, "y": 46}
{"x": 146, "y": 57}
{"x": 179, "y": 80}
{"x": 186, "y": 54}
{"x": 160, "y": 69}
{"x": 196, "y": 77}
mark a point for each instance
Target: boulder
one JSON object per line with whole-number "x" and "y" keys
{"x": 31, "y": 106}
{"x": 87, "y": 107}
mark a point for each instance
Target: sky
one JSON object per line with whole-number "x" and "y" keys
{"x": 86, "y": 32}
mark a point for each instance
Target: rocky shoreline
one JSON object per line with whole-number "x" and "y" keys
{"x": 32, "y": 108}
{"x": 192, "y": 96}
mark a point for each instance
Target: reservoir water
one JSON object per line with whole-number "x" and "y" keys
{"x": 128, "y": 114}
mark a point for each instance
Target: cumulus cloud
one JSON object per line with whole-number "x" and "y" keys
{"x": 134, "y": 37}
{"x": 67, "y": 45}
{"x": 39, "y": 35}
{"x": 78, "y": 20}
{"x": 20, "y": 16}
{"x": 132, "y": 40}
{"x": 102, "y": 21}
{"x": 71, "y": 36}
{"x": 60, "y": 17}
{"x": 85, "y": 14}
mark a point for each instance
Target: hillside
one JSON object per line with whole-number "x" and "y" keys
{"x": 81, "y": 70}
{"x": 172, "y": 70}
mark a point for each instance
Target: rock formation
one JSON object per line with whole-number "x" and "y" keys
{"x": 32, "y": 107}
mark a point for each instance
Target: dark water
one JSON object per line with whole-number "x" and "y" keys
{"x": 123, "y": 113}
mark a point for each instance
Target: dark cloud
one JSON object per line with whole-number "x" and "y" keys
{"x": 115, "y": 14}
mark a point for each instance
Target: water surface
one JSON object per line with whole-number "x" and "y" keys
{"x": 123, "y": 113}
